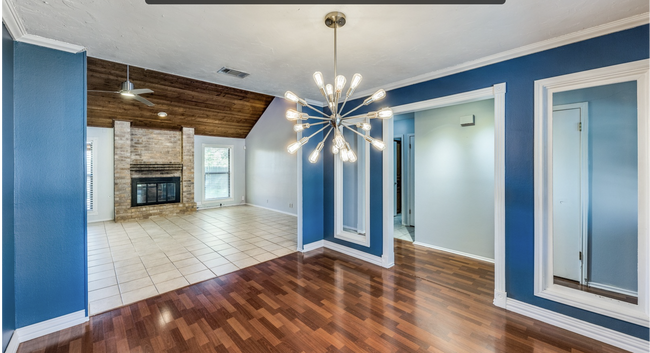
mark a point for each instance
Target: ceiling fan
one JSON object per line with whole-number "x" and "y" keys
{"x": 127, "y": 90}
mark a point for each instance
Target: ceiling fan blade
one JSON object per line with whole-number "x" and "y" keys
{"x": 141, "y": 91}
{"x": 142, "y": 100}
{"x": 100, "y": 91}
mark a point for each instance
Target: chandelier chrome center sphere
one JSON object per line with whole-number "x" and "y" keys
{"x": 336, "y": 121}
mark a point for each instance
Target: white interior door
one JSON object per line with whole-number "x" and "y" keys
{"x": 567, "y": 207}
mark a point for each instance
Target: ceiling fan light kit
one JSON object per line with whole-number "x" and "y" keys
{"x": 128, "y": 90}
{"x": 336, "y": 121}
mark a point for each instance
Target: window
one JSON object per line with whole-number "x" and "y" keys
{"x": 217, "y": 172}
{"x": 591, "y": 191}
{"x": 90, "y": 177}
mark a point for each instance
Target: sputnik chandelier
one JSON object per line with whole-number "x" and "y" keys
{"x": 336, "y": 121}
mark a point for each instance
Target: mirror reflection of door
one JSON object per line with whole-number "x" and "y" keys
{"x": 567, "y": 191}
{"x": 398, "y": 176}
{"x": 595, "y": 190}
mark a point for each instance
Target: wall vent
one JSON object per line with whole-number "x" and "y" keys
{"x": 232, "y": 72}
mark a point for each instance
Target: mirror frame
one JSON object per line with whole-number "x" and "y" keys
{"x": 339, "y": 233}
{"x": 544, "y": 286}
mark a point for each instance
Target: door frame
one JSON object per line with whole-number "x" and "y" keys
{"x": 410, "y": 197}
{"x": 584, "y": 183}
{"x": 498, "y": 93}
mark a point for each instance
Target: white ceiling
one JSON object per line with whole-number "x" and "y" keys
{"x": 281, "y": 46}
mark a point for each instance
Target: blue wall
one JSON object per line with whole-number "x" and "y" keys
{"x": 8, "y": 290}
{"x": 519, "y": 74}
{"x": 50, "y": 214}
{"x": 312, "y": 189}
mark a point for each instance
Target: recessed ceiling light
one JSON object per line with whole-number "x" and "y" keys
{"x": 162, "y": 114}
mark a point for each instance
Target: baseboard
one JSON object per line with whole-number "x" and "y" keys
{"x": 313, "y": 246}
{"x": 14, "y": 342}
{"x": 375, "y": 260}
{"x": 208, "y": 206}
{"x": 613, "y": 289}
{"x": 475, "y": 257}
{"x": 101, "y": 220}
{"x": 43, "y": 328}
{"x": 271, "y": 209}
{"x": 500, "y": 299}
{"x": 599, "y": 333}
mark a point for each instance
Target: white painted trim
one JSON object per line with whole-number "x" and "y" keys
{"x": 597, "y": 31}
{"x": 96, "y": 177}
{"x": 614, "y": 289}
{"x": 313, "y": 246}
{"x": 339, "y": 232}
{"x": 14, "y": 342}
{"x": 49, "y": 326}
{"x": 300, "y": 224}
{"x": 270, "y": 209}
{"x": 388, "y": 198}
{"x": 375, "y": 260}
{"x": 498, "y": 93}
{"x": 232, "y": 174}
{"x": 102, "y": 220}
{"x": 212, "y": 205}
{"x": 16, "y": 27}
{"x": 455, "y": 252}
{"x": 599, "y": 333}
{"x": 543, "y": 251}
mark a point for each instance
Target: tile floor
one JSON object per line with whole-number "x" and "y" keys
{"x": 403, "y": 232}
{"x": 131, "y": 261}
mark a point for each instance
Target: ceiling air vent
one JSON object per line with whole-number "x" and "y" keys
{"x": 233, "y": 72}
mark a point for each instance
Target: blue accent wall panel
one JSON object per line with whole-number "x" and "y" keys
{"x": 312, "y": 192}
{"x": 8, "y": 290}
{"x": 50, "y": 214}
{"x": 519, "y": 75}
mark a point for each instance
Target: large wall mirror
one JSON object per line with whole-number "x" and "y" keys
{"x": 351, "y": 183}
{"x": 591, "y": 191}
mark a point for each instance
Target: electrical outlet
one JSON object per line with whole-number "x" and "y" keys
{"x": 220, "y": 205}
{"x": 290, "y": 205}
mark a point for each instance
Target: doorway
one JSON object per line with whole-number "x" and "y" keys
{"x": 402, "y": 176}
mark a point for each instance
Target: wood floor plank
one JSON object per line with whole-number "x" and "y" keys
{"x": 325, "y": 302}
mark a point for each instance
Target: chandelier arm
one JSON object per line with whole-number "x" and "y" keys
{"x": 344, "y": 101}
{"x": 316, "y": 110}
{"x": 319, "y": 123}
{"x": 355, "y": 131}
{"x": 323, "y": 128}
{"x": 317, "y": 118}
{"x": 348, "y": 113}
{"x": 327, "y": 134}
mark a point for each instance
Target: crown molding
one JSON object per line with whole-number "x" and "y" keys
{"x": 17, "y": 30}
{"x": 588, "y": 33}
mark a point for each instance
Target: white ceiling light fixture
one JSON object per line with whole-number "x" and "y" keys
{"x": 162, "y": 114}
{"x": 336, "y": 121}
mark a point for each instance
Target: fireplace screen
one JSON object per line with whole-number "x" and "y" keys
{"x": 153, "y": 191}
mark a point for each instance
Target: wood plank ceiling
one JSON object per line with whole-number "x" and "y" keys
{"x": 211, "y": 109}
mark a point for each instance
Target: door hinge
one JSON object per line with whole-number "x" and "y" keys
{"x": 580, "y": 255}
{"x": 409, "y": 145}
{"x": 409, "y": 211}
{"x": 580, "y": 126}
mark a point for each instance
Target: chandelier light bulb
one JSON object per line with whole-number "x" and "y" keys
{"x": 340, "y": 83}
{"x": 339, "y": 141}
{"x": 378, "y": 144}
{"x": 318, "y": 78}
{"x": 335, "y": 149}
{"x": 344, "y": 155}
{"x": 385, "y": 113}
{"x": 300, "y": 127}
{"x": 356, "y": 80}
{"x": 313, "y": 157}
{"x": 352, "y": 157}
{"x": 377, "y": 96}
{"x": 329, "y": 89}
{"x": 364, "y": 126}
{"x": 293, "y": 115}
{"x": 296, "y": 145}
{"x": 291, "y": 96}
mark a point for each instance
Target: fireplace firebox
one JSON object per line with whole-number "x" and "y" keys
{"x": 155, "y": 191}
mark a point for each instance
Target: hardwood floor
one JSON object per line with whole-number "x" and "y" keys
{"x": 324, "y": 301}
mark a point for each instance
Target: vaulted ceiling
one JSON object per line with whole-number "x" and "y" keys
{"x": 282, "y": 46}
{"x": 211, "y": 109}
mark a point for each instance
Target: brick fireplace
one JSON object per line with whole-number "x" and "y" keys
{"x": 143, "y": 154}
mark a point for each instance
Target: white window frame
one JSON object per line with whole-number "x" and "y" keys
{"x": 232, "y": 173}
{"x": 339, "y": 233}
{"x": 544, "y": 286}
{"x": 95, "y": 210}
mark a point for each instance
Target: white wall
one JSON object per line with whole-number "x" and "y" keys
{"x": 104, "y": 176}
{"x": 454, "y": 178}
{"x": 238, "y": 173}
{"x": 272, "y": 172}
